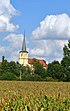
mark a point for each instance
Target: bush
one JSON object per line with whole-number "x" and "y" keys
{"x": 50, "y": 79}
{"x": 29, "y": 77}
{"x": 8, "y": 76}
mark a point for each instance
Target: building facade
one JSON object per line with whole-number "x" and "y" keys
{"x": 25, "y": 60}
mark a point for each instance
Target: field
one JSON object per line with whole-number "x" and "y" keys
{"x": 34, "y": 96}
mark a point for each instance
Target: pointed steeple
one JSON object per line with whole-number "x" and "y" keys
{"x": 23, "y": 57}
{"x": 24, "y": 44}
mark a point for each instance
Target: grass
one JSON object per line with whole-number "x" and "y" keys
{"x": 34, "y": 96}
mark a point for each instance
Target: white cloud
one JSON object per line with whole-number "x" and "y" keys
{"x": 48, "y": 49}
{"x": 14, "y": 56}
{"x": 15, "y": 40}
{"x": 55, "y": 27}
{"x": 2, "y": 50}
{"x": 37, "y": 52}
{"x": 7, "y": 11}
{"x": 14, "y": 46}
{"x": 42, "y": 49}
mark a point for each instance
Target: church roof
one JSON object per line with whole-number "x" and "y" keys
{"x": 43, "y": 62}
{"x": 24, "y": 44}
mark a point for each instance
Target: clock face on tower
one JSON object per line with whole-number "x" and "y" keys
{"x": 24, "y": 55}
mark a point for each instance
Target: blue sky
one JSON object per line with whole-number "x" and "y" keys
{"x": 46, "y": 23}
{"x": 34, "y": 11}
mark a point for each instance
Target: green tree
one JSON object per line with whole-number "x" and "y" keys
{"x": 4, "y": 66}
{"x": 25, "y": 69}
{"x": 10, "y": 67}
{"x": 38, "y": 69}
{"x": 56, "y": 71}
{"x": 66, "y": 50}
{"x": 66, "y": 60}
{"x": 33, "y": 77}
{"x": 8, "y": 76}
{"x": 3, "y": 58}
{"x": 13, "y": 68}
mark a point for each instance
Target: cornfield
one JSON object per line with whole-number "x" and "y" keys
{"x": 34, "y": 96}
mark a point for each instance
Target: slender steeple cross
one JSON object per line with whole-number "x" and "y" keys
{"x": 24, "y": 44}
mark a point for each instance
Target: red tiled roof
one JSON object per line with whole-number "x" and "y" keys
{"x": 43, "y": 62}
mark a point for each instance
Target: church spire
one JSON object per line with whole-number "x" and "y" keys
{"x": 24, "y": 44}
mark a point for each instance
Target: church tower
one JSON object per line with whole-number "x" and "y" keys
{"x": 23, "y": 59}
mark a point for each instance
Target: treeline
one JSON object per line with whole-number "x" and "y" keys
{"x": 55, "y": 72}
{"x": 61, "y": 71}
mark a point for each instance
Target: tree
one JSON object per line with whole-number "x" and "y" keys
{"x": 66, "y": 50}
{"x": 10, "y": 67}
{"x": 4, "y": 66}
{"x": 38, "y": 69}
{"x": 56, "y": 71}
{"x": 66, "y": 60}
{"x": 8, "y": 76}
{"x": 3, "y": 58}
{"x": 13, "y": 68}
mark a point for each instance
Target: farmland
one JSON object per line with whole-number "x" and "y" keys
{"x": 34, "y": 96}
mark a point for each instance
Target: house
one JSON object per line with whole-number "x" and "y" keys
{"x": 25, "y": 60}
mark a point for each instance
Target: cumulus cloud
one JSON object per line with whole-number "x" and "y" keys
{"x": 49, "y": 50}
{"x": 14, "y": 56}
{"x": 2, "y": 50}
{"x": 55, "y": 27}
{"x": 7, "y": 11}
{"x": 14, "y": 46}
{"x": 41, "y": 49}
{"x": 14, "y": 40}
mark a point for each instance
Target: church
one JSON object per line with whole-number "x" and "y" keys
{"x": 25, "y": 60}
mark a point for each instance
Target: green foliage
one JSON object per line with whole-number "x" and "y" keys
{"x": 50, "y": 79}
{"x": 33, "y": 77}
{"x": 3, "y": 58}
{"x": 8, "y": 76}
{"x": 14, "y": 68}
{"x": 56, "y": 71}
{"x": 38, "y": 69}
{"x": 25, "y": 70}
{"x": 66, "y": 59}
{"x": 9, "y": 67}
{"x": 66, "y": 49}
{"x": 61, "y": 71}
{"x": 65, "y": 62}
